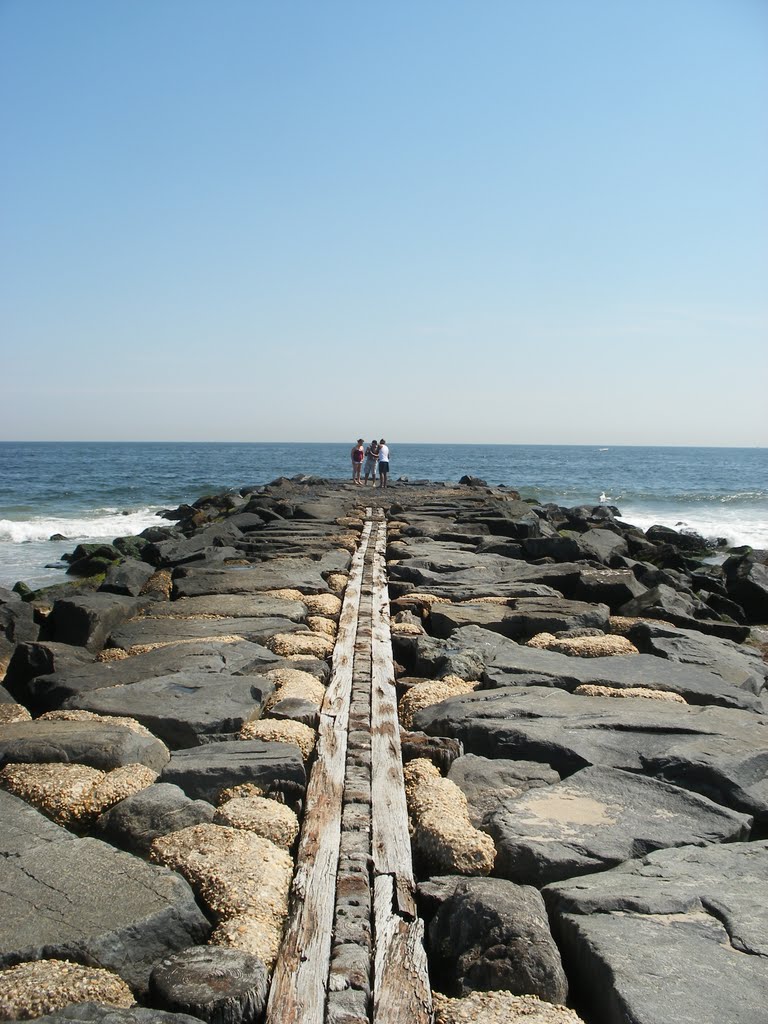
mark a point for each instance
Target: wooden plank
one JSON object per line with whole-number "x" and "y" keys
{"x": 299, "y": 983}
{"x": 401, "y": 990}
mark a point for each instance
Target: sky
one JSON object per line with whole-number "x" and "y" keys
{"x": 512, "y": 221}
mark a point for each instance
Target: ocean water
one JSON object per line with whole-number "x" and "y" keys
{"x": 101, "y": 490}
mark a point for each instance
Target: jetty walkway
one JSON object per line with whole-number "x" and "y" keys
{"x": 353, "y": 949}
{"x": 311, "y": 754}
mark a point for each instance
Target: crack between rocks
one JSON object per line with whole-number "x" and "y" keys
{"x": 719, "y": 914}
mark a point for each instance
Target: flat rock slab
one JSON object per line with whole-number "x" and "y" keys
{"x": 153, "y": 631}
{"x": 488, "y": 782}
{"x": 484, "y": 576}
{"x": 25, "y": 828}
{"x": 86, "y": 620}
{"x": 86, "y": 902}
{"x": 47, "y": 693}
{"x": 511, "y": 664}
{"x": 237, "y": 606}
{"x": 679, "y": 936}
{"x": 303, "y": 574}
{"x": 720, "y": 753}
{"x": 203, "y": 772}
{"x": 137, "y": 821}
{"x": 99, "y": 1013}
{"x": 740, "y": 665}
{"x": 184, "y": 709}
{"x": 97, "y": 744}
{"x": 525, "y": 618}
{"x": 598, "y": 818}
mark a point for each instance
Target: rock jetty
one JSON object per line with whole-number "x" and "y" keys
{"x": 575, "y": 799}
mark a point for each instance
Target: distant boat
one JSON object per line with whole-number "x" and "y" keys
{"x": 603, "y": 449}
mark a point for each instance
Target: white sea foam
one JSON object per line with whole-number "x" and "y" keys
{"x": 101, "y": 523}
{"x": 737, "y": 526}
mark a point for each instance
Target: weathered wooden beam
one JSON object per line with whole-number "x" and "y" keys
{"x": 299, "y": 984}
{"x": 401, "y": 990}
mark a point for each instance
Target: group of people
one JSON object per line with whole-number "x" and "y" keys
{"x": 366, "y": 459}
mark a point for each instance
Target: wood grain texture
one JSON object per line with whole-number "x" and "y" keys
{"x": 299, "y": 984}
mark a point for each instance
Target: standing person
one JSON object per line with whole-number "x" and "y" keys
{"x": 383, "y": 462}
{"x": 371, "y": 458}
{"x": 357, "y": 460}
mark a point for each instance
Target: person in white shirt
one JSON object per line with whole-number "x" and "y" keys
{"x": 383, "y": 462}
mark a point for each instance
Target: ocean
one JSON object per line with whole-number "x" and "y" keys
{"x": 101, "y": 490}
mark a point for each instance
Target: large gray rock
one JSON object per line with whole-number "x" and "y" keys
{"x": 98, "y": 744}
{"x": 203, "y": 772}
{"x": 598, "y": 818}
{"x": 128, "y": 577}
{"x": 186, "y": 708}
{"x": 84, "y": 901}
{"x": 613, "y": 587}
{"x": 681, "y": 935}
{"x": 25, "y": 828}
{"x": 219, "y": 984}
{"x": 483, "y": 576}
{"x": 169, "y": 630}
{"x": 86, "y": 620}
{"x": 137, "y": 821}
{"x": 525, "y": 618}
{"x": 39, "y": 659}
{"x": 100, "y": 1013}
{"x": 740, "y": 665}
{"x": 490, "y": 935}
{"x": 17, "y": 620}
{"x": 47, "y": 693}
{"x": 720, "y": 753}
{"x": 235, "y": 606}
{"x": 489, "y": 782}
{"x": 506, "y": 663}
{"x": 747, "y": 582}
{"x": 303, "y": 574}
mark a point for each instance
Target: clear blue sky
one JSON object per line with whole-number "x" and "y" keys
{"x": 528, "y": 221}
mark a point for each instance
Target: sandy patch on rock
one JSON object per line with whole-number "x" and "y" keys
{"x": 112, "y": 654}
{"x": 424, "y": 695}
{"x": 500, "y": 1008}
{"x": 621, "y": 624}
{"x": 289, "y": 644}
{"x": 74, "y": 794}
{"x": 229, "y": 638}
{"x": 250, "y": 935}
{"x": 41, "y": 987}
{"x": 319, "y": 624}
{"x": 337, "y": 582}
{"x": 275, "y": 730}
{"x": 92, "y": 716}
{"x": 286, "y": 593}
{"x": 584, "y": 646}
{"x": 10, "y": 713}
{"x": 405, "y": 629}
{"x": 328, "y": 605}
{"x": 160, "y": 582}
{"x": 265, "y": 818}
{"x": 442, "y": 834}
{"x": 593, "y": 690}
{"x": 234, "y": 872}
{"x": 293, "y": 683}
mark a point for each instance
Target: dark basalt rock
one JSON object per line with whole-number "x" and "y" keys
{"x": 491, "y": 934}
{"x": 217, "y": 984}
{"x": 127, "y": 578}
{"x": 38, "y": 659}
{"x": 679, "y": 935}
{"x": 97, "y": 744}
{"x": 25, "y": 828}
{"x": 86, "y": 620}
{"x": 183, "y": 709}
{"x": 747, "y": 582}
{"x": 722, "y": 754}
{"x": 202, "y": 772}
{"x": 487, "y": 783}
{"x": 167, "y": 630}
{"x": 303, "y": 574}
{"x": 137, "y": 821}
{"x": 100, "y": 1013}
{"x": 525, "y": 618}
{"x": 84, "y": 901}
{"x": 598, "y": 818}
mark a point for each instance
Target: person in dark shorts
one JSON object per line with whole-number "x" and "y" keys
{"x": 383, "y": 462}
{"x": 356, "y": 455}
{"x": 371, "y": 458}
